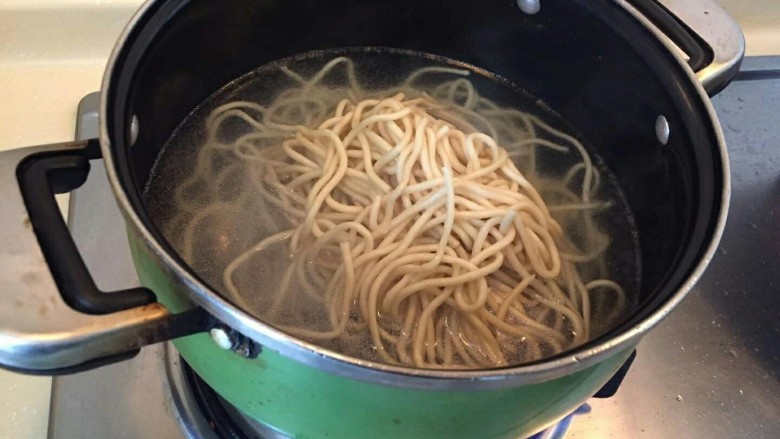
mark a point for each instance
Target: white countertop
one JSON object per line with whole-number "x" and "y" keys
{"x": 53, "y": 52}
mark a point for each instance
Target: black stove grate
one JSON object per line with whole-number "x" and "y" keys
{"x": 213, "y": 409}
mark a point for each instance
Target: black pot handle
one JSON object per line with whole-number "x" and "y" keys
{"x": 708, "y": 36}
{"x": 54, "y": 319}
{"x": 40, "y": 176}
{"x": 699, "y": 52}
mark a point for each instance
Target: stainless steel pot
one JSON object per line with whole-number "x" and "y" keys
{"x": 618, "y": 69}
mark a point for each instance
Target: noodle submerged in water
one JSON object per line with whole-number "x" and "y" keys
{"x": 411, "y": 224}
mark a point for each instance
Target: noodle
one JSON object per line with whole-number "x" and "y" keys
{"x": 408, "y": 220}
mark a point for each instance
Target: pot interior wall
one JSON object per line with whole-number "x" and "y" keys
{"x": 589, "y": 60}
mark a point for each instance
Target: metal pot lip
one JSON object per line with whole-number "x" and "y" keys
{"x": 380, "y": 373}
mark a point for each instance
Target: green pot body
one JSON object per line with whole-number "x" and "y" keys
{"x": 304, "y": 402}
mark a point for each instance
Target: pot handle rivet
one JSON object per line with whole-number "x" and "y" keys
{"x": 229, "y": 339}
{"x": 530, "y": 7}
{"x": 662, "y": 129}
{"x": 221, "y": 338}
{"x": 133, "y": 130}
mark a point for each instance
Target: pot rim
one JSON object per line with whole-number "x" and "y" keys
{"x": 399, "y": 376}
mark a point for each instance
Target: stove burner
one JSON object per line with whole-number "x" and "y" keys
{"x": 222, "y": 419}
{"x": 211, "y": 406}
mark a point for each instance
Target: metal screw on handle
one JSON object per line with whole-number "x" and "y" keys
{"x": 229, "y": 339}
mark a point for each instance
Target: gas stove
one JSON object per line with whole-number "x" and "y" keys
{"x": 709, "y": 370}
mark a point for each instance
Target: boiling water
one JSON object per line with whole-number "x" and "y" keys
{"x": 223, "y": 218}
